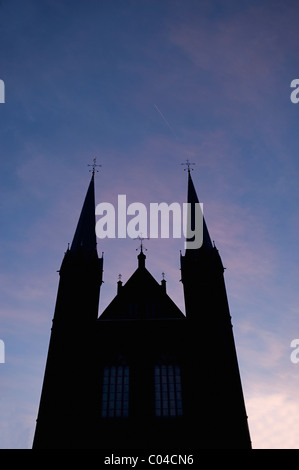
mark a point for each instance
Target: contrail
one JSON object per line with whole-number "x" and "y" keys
{"x": 165, "y": 120}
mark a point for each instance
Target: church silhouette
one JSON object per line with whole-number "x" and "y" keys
{"x": 142, "y": 375}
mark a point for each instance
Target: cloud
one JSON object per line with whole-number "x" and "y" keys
{"x": 275, "y": 424}
{"x": 17, "y": 425}
{"x": 270, "y": 379}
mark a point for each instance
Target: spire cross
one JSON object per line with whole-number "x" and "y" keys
{"x": 188, "y": 163}
{"x": 94, "y": 165}
{"x": 141, "y": 242}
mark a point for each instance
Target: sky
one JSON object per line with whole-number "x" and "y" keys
{"x": 143, "y": 85}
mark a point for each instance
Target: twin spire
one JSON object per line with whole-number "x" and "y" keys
{"x": 85, "y": 236}
{"x": 192, "y": 199}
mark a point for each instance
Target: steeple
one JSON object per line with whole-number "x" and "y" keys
{"x": 207, "y": 312}
{"x": 85, "y": 236}
{"x": 193, "y": 199}
{"x": 76, "y": 311}
{"x": 201, "y": 268}
{"x": 81, "y": 269}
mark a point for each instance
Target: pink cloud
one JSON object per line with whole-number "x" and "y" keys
{"x": 275, "y": 424}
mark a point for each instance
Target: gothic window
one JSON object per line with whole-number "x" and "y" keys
{"x": 168, "y": 391}
{"x": 133, "y": 310}
{"x": 141, "y": 309}
{"x": 150, "y": 309}
{"x": 115, "y": 391}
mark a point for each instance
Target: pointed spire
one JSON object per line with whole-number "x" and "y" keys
{"x": 192, "y": 199}
{"x": 85, "y": 236}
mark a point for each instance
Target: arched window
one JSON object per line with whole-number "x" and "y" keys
{"x": 115, "y": 391}
{"x": 168, "y": 390}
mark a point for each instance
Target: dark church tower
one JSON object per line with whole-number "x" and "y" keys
{"x": 142, "y": 375}
{"x": 63, "y": 397}
{"x": 218, "y": 402}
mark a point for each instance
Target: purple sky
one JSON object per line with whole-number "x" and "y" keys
{"x": 143, "y": 85}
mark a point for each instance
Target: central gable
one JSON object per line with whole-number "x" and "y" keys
{"x": 142, "y": 297}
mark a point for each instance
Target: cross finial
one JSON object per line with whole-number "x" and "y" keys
{"x": 141, "y": 242}
{"x": 163, "y": 276}
{"x": 188, "y": 163}
{"x": 94, "y": 165}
